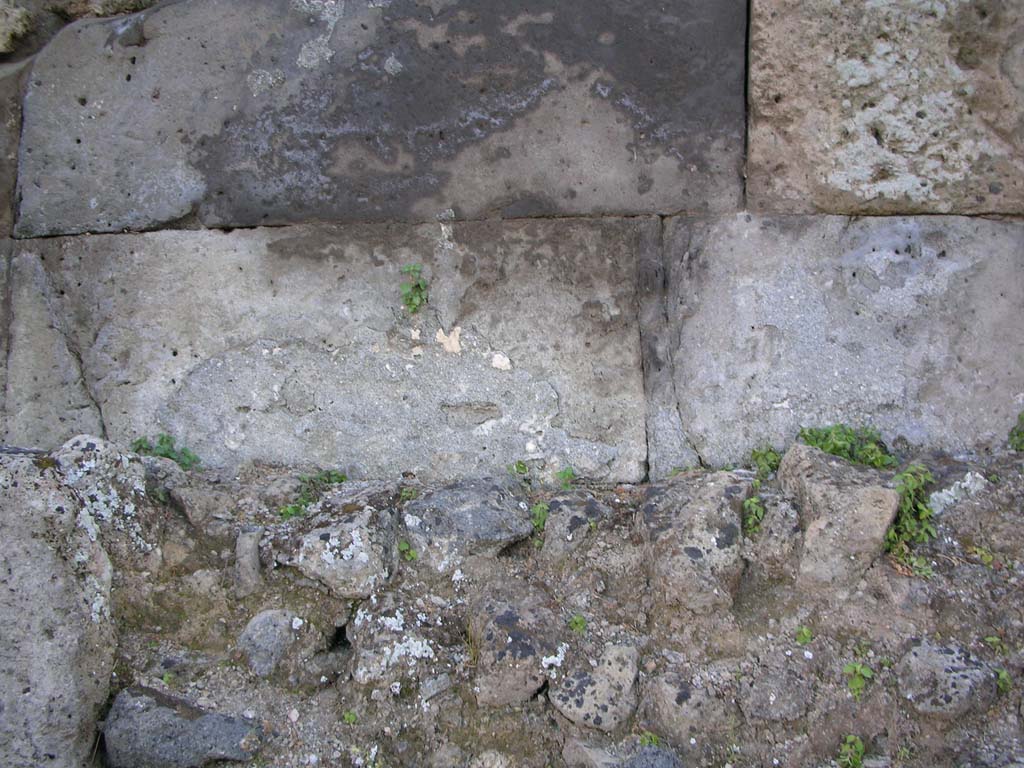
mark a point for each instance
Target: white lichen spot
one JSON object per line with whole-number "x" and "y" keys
{"x": 393, "y": 66}
{"x": 500, "y": 361}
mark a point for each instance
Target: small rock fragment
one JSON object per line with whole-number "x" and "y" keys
{"x": 945, "y": 680}
{"x": 266, "y": 639}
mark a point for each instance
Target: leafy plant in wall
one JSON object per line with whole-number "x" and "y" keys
{"x": 414, "y": 293}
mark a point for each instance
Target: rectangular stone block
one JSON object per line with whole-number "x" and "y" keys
{"x": 899, "y": 106}
{"x": 365, "y": 110}
{"x": 912, "y": 325}
{"x": 292, "y": 345}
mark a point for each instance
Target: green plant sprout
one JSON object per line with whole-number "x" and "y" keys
{"x": 539, "y": 517}
{"x": 753, "y": 514}
{"x": 857, "y": 677}
{"x": 566, "y": 477}
{"x": 166, "y": 449}
{"x": 861, "y": 446}
{"x": 414, "y": 293}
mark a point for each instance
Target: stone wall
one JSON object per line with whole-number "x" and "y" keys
{"x": 634, "y": 263}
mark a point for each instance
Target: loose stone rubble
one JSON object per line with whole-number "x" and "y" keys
{"x": 616, "y": 651}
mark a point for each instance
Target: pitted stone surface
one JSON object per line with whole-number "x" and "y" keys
{"x": 845, "y": 511}
{"x": 364, "y": 110}
{"x": 55, "y": 599}
{"x": 291, "y": 345}
{"x": 945, "y": 681}
{"x": 148, "y": 729}
{"x": 900, "y": 106}
{"x": 518, "y": 644}
{"x": 471, "y": 517}
{"x": 908, "y": 324}
{"x": 602, "y": 697}
{"x": 691, "y": 528}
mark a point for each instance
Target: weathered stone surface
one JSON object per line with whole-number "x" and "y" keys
{"x": 319, "y": 109}
{"x": 571, "y": 518}
{"x": 603, "y": 697}
{"x": 691, "y": 527}
{"x": 514, "y": 633}
{"x": 148, "y": 729}
{"x": 58, "y": 642}
{"x": 945, "y": 681}
{"x": 47, "y": 400}
{"x": 779, "y": 689}
{"x": 845, "y": 511}
{"x": 473, "y": 517}
{"x": 15, "y": 22}
{"x": 679, "y": 710}
{"x": 291, "y": 346}
{"x": 248, "y": 575}
{"x": 653, "y": 757}
{"x": 350, "y": 551}
{"x": 888, "y": 107}
{"x": 266, "y": 639}
{"x": 912, "y": 325}
{"x": 11, "y": 78}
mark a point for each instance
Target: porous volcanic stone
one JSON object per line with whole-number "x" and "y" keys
{"x": 291, "y": 345}
{"x": 367, "y": 110}
{"x": 58, "y": 642}
{"x": 899, "y": 106}
{"x": 912, "y": 325}
{"x": 148, "y": 729}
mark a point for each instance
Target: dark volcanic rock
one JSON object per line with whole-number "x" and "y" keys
{"x": 147, "y": 729}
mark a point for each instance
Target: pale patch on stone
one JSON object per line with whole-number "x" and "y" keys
{"x": 500, "y": 361}
{"x": 450, "y": 341}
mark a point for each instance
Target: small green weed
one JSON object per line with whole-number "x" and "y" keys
{"x": 861, "y": 446}
{"x": 414, "y": 293}
{"x": 578, "y": 624}
{"x": 995, "y": 642}
{"x": 566, "y": 477}
{"x": 519, "y": 468}
{"x": 804, "y": 636}
{"x": 648, "y": 739}
{"x": 857, "y": 677}
{"x": 753, "y": 514}
{"x": 350, "y": 717}
{"x": 766, "y": 461}
{"x": 166, "y": 449}
{"x": 983, "y": 554}
{"x": 168, "y": 678}
{"x": 406, "y": 551}
{"x": 311, "y": 488}
{"x": 1004, "y": 683}
{"x": 408, "y": 494}
{"x": 851, "y": 752}
{"x": 913, "y": 523}
{"x": 539, "y": 517}
{"x": 1016, "y": 438}
{"x": 903, "y": 754}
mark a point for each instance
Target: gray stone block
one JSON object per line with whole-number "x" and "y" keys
{"x": 361, "y": 110}
{"x": 912, "y": 325}
{"x": 291, "y": 345}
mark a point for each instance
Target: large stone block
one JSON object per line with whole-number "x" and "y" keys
{"x": 369, "y": 110}
{"x": 292, "y": 346}
{"x": 913, "y": 325}
{"x": 899, "y": 106}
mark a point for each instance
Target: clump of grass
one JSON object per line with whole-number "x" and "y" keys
{"x": 766, "y": 461}
{"x": 753, "y": 515}
{"x": 913, "y": 523}
{"x": 539, "y": 517}
{"x": 861, "y": 446}
{"x": 1016, "y": 439}
{"x": 566, "y": 476}
{"x": 851, "y": 752}
{"x": 311, "y": 488}
{"x": 578, "y": 624}
{"x": 165, "y": 448}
